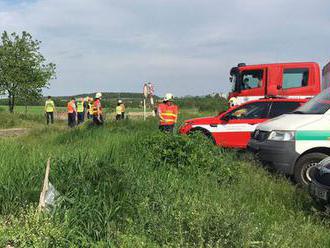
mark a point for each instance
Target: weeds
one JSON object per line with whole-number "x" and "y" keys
{"x": 193, "y": 154}
{"x": 127, "y": 185}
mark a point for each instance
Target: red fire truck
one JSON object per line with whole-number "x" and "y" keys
{"x": 290, "y": 80}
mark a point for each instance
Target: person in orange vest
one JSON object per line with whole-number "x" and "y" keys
{"x": 72, "y": 112}
{"x": 97, "y": 110}
{"x": 168, "y": 114}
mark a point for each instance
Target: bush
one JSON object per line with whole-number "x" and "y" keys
{"x": 31, "y": 229}
{"x": 191, "y": 153}
{"x": 204, "y": 104}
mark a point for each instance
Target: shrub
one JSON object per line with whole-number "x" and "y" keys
{"x": 192, "y": 153}
{"x": 207, "y": 103}
{"x": 31, "y": 229}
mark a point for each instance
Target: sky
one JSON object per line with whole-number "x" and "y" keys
{"x": 185, "y": 47}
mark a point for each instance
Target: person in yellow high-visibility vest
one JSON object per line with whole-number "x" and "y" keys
{"x": 49, "y": 110}
{"x": 119, "y": 110}
{"x": 80, "y": 110}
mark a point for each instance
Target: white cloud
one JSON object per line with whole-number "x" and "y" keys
{"x": 185, "y": 46}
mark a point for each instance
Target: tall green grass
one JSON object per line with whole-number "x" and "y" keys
{"x": 8, "y": 120}
{"x": 127, "y": 185}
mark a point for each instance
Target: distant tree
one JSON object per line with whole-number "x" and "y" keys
{"x": 23, "y": 69}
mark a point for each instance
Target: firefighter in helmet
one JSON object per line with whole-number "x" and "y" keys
{"x": 168, "y": 114}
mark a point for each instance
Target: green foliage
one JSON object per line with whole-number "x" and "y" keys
{"x": 19, "y": 120}
{"x": 208, "y": 103}
{"x": 31, "y": 229}
{"x": 23, "y": 71}
{"x": 127, "y": 185}
{"x": 192, "y": 153}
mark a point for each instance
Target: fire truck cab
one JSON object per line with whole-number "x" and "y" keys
{"x": 290, "y": 80}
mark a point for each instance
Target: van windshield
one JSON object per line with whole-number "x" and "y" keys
{"x": 318, "y": 105}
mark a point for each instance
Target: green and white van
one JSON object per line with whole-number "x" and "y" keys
{"x": 294, "y": 142}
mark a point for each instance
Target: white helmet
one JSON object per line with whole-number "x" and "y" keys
{"x": 233, "y": 102}
{"x": 120, "y": 101}
{"x": 98, "y": 95}
{"x": 168, "y": 97}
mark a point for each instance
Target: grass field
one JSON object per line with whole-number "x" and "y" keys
{"x": 127, "y": 185}
{"x": 40, "y": 109}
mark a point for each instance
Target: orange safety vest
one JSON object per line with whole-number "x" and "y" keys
{"x": 168, "y": 114}
{"x": 97, "y": 104}
{"x": 71, "y": 107}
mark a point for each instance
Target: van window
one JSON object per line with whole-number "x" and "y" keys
{"x": 280, "y": 108}
{"x": 294, "y": 78}
{"x": 251, "y": 79}
{"x": 257, "y": 110}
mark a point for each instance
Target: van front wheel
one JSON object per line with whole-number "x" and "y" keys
{"x": 303, "y": 166}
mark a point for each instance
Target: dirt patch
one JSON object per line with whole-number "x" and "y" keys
{"x": 139, "y": 114}
{"x": 12, "y": 132}
{"x": 61, "y": 116}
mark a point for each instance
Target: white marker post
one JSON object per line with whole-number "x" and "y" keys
{"x": 42, "y": 203}
{"x": 145, "y": 95}
{"x": 144, "y": 109}
{"x": 151, "y": 91}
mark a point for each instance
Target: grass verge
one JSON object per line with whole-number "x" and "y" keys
{"x": 126, "y": 185}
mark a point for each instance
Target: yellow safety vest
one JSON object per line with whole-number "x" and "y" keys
{"x": 49, "y": 106}
{"x": 90, "y": 108}
{"x": 118, "y": 110}
{"x": 80, "y": 107}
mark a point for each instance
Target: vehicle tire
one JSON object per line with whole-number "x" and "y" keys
{"x": 303, "y": 164}
{"x": 204, "y": 132}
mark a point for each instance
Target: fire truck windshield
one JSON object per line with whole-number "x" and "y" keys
{"x": 247, "y": 79}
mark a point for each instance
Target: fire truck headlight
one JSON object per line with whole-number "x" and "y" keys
{"x": 281, "y": 136}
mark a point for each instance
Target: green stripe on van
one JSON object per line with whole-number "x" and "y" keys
{"x": 312, "y": 135}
